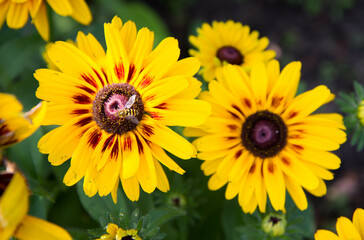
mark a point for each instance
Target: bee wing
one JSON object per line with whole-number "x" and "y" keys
{"x": 132, "y": 119}
{"x": 130, "y": 102}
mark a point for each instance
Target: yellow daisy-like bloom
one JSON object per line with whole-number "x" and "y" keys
{"x": 228, "y": 42}
{"x": 14, "y": 221}
{"x": 361, "y": 112}
{"x": 346, "y": 229}
{"x": 15, "y": 126}
{"x": 116, "y": 233}
{"x": 16, "y": 13}
{"x": 260, "y": 139}
{"x": 114, "y": 109}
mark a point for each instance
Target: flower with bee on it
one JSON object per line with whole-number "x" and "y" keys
{"x": 113, "y": 109}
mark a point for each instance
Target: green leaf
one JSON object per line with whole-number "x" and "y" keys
{"x": 359, "y": 90}
{"x": 229, "y": 218}
{"x": 160, "y": 216}
{"x": 97, "y": 206}
{"x": 361, "y": 140}
{"x": 356, "y": 137}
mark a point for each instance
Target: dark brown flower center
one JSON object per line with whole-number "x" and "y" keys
{"x": 118, "y": 108}
{"x": 5, "y": 179}
{"x": 264, "y": 134}
{"x": 127, "y": 238}
{"x": 230, "y": 54}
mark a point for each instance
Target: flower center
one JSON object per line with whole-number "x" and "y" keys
{"x": 4, "y": 181}
{"x": 264, "y": 134}
{"x": 118, "y": 108}
{"x": 230, "y": 55}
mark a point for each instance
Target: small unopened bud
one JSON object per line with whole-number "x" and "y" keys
{"x": 274, "y": 224}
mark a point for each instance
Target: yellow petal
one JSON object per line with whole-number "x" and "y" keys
{"x": 81, "y": 12}
{"x": 305, "y": 104}
{"x": 259, "y": 83}
{"x": 215, "y": 142}
{"x": 146, "y": 173}
{"x": 297, "y": 193}
{"x": 167, "y": 139}
{"x": 91, "y": 181}
{"x": 273, "y": 70}
{"x": 162, "y": 58}
{"x": 325, "y": 235}
{"x": 161, "y": 91}
{"x": 162, "y": 180}
{"x": 17, "y": 15}
{"x": 297, "y": 170}
{"x": 33, "y": 228}
{"x": 71, "y": 60}
{"x": 116, "y": 54}
{"x": 13, "y": 206}
{"x": 63, "y": 8}
{"x": 346, "y": 230}
{"x": 274, "y": 182}
{"x": 183, "y": 112}
{"x": 109, "y": 174}
{"x": 285, "y": 87}
{"x": 215, "y": 182}
{"x": 161, "y": 155}
{"x": 34, "y": 6}
{"x": 9, "y": 106}
{"x": 128, "y": 35}
{"x": 320, "y": 190}
{"x": 130, "y": 150}
{"x": 81, "y": 157}
{"x": 324, "y": 159}
{"x": 131, "y": 188}
{"x": 143, "y": 45}
{"x": 358, "y": 221}
{"x": 186, "y": 66}
{"x": 90, "y": 46}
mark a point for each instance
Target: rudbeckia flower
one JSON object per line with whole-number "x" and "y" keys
{"x": 15, "y": 126}
{"x": 14, "y": 221}
{"x": 228, "y": 42}
{"x": 16, "y": 13}
{"x": 262, "y": 140}
{"x": 346, "y": 229}
{"x": 114, "y": 109}
{"x": 116, "y": 233}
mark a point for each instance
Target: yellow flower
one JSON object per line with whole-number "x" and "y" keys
{"x": 15, "y": 126}
{"x": 361, "y": 112}
{"x": 114, "y": 109}
{"x": 228, "y": 42}
{"x": 346, "y": 229}
{"x": 16, "y": 13}
{"x": 260, "y": 139}
{"x": 116, "y": 233}
{"x": 14, "y": 221}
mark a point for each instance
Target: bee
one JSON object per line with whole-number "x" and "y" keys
{"x": 127, "y": 112}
